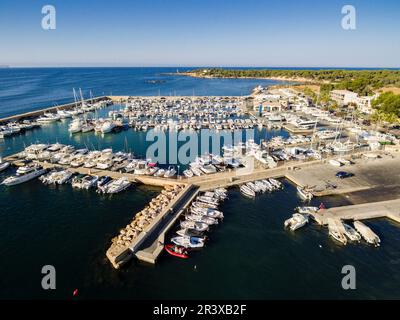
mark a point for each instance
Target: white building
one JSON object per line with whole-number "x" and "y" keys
{"x": 343, "y": 97}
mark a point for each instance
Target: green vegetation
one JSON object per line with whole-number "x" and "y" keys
{"x": 387, "y": 107}
{"x": 361, "y": 81}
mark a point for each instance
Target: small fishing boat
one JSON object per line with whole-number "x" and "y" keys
{"x": 177, "y": 251}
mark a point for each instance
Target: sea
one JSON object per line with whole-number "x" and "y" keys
{"x": 248, "y": 256}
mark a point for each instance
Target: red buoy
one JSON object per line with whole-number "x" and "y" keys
{"x": 75, "y": 293}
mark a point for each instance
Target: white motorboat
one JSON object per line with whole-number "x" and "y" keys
{"x": 200, "y": 218}
{"x": 207, "y": 212}
{"x": 304, "y": 193}
{"x": 335, "y": 163}
{"x": 207, "y": 200}
{"x": 87, "y": 127}
{"x": 199, "y": 204}
{"x": 189, "y": 233}
{"x": 89, "y": 182}
{"x": 116, "y": 186}
{"x": 107, "y": 127}
{"x": 367, "y": 233}
{"x": 337, "y": 235}
{"x": 75, "y": 126}
{"x": 64, "y": 114}
{"x": 3, "y": 165}
{"x": 188, "y": 242}
{"x": 296, "y": 221}
{"x": 208, "y": 169}
{"x": 160, "y": 173}
{"x": 351, "y": 233}
{"x": 24, "y": 176}
{"x": 275, "y": 183}
{"x": 170, "y": 172}
{"x": 48, "y": 118}
{"x": 188, "y": 173}
{"x": 198, "y": 226}
{"x": 244, "y": 189}
{"x": 307, "y": 210}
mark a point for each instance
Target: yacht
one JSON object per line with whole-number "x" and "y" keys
{"x": 118, "y": 185}
{"x": 87, "y": 127}
{"x": 64, "y": 114}
{"x": 75, "y": 126}
{"x": 24, "y": 174}
{"x": 48, "y": 118}
{"x": 107, "y": 127}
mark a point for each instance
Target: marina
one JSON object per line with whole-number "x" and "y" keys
{"x": 174, "y": 222}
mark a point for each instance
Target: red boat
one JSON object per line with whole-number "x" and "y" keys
{"x": 172, "y": 250}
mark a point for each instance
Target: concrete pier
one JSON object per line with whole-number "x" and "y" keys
{"x": 37, "y": 113}
{"x": 384, "y": 209}
{"x": 119, "y": 255}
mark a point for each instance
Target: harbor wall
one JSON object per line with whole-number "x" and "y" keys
{"x": 40, "y": 112}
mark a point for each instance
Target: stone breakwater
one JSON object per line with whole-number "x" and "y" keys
{"x": 129, "y": 239}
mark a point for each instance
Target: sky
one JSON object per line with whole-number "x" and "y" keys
{"x": 284, "y": 33}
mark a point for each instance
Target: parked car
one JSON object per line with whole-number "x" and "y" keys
{"x": 344, "y": 174}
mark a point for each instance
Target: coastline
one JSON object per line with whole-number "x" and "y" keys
{"x": 298, "y": 80}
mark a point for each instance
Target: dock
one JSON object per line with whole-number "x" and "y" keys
{"x": 40, "y": 112}
{"x": 119, "y": 255}
{"x": 384, "y": 209}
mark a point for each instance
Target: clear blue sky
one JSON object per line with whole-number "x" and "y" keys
{"x": 200, "y": 33}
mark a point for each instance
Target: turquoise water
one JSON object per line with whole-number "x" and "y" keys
{"x": 249, "y": 255}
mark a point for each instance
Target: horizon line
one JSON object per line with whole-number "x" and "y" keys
{"x": 9, "y": 66}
